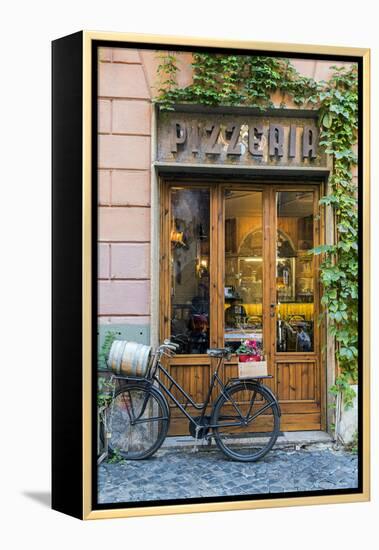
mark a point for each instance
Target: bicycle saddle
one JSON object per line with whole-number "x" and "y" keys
{"x": 219, "y": 352}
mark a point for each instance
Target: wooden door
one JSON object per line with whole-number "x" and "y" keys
{"x": 188, "y": 293}
{"x": 295, "y": 333}
{"x": 278, "y": 279}
{"x": 235, "y": 264}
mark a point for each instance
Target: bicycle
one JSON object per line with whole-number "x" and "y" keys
{"x": 244, "y": 422}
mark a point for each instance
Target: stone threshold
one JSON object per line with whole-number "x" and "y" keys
{"x": 288, "y": 440}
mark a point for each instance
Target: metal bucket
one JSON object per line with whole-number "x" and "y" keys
{"x": 129, "y": 358}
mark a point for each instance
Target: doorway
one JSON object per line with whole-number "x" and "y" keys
{"x": 236, "y": 264}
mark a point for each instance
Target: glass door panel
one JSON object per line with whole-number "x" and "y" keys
{"x": 189, "y": 268}
{"x": 294, "y": 271}
{"x": 243, "y": 291}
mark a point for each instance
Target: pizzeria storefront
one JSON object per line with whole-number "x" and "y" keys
{"x": 207, "y": 216}
{"x": 239, "y": 214}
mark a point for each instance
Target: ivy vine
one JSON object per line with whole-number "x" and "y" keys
{"x": 338, "y": 105}
{"x": 232, "y": 80}
{"x": 251, "y": 81}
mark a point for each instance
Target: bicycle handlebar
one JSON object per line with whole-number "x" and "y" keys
{"x": 170, "y": 344}
{"x": 167, "y": 345}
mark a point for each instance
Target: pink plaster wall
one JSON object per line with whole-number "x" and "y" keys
{"x": 124, "y": 187}
{"x": 127, "y": 82}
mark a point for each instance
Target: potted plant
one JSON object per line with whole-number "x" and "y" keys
{"x": 251, "y": 363}
{"x": 249, "y": 351}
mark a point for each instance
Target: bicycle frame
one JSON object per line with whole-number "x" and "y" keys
{"x": 197, "y": 421}
{"x": 157, "y": 368}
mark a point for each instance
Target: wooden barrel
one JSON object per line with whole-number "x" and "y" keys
{"x": 129, "y": 358}
{"x": 115, "y": 355}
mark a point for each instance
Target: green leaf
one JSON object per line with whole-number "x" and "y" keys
{"x": 327, "y": 120}
{"x": 323, "y": 248}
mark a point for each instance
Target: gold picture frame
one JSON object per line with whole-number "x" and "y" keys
{"x": 85, "y": 44}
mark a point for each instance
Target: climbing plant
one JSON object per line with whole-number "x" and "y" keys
{"x": 338, "y": 106}
{"x": 231, "y": 80}
{"x": 251, "y": 81}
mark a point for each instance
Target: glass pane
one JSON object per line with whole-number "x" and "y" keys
{"x": 190, "y": 230}
{"x": 294, "y": 272}
{"x": 243, "y": 268}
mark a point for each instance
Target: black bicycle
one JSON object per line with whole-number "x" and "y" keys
{"x": 244, "y": 420}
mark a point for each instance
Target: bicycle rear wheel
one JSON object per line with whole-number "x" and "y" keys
{"x": 247, "y": 419}
{"x": 138, "y": 422}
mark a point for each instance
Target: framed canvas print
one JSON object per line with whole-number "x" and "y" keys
{"x": 210, "y": 275}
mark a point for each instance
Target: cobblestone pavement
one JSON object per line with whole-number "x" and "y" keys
{"x": 176, "y": 474}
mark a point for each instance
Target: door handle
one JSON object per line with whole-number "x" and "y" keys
{"x": 272, "y": 310}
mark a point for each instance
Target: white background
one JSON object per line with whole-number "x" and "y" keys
{"x": 26, "y": 31}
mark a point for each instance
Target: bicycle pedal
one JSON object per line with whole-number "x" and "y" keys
{"x": 195, "y": 449}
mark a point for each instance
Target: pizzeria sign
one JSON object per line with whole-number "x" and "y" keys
{"x": 250, "y": 140}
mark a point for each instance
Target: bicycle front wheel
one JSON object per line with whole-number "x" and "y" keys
{"x": 247, "y": 421}
{"x": 138, "y": 422}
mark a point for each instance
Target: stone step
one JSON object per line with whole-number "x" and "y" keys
{"x": 285, "y": 440}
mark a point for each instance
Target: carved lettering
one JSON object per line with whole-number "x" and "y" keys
{"x": 276, "y": 140}
{"x": 309, "y": 142}
{"x": 194, "y": 138}
{"x": 212, "y": 147}
{"x": 234, "y": 148}
{"x": 256, "y": 140}
{"x": 292, "y": 141}
{"x": 178, "y": 136}
{"x": 244, "y": 141}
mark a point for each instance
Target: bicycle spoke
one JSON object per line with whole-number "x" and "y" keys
{"x": 251, "y": 404}
{"x": 150, "y": 419}
{"x": 258, "y": 413}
